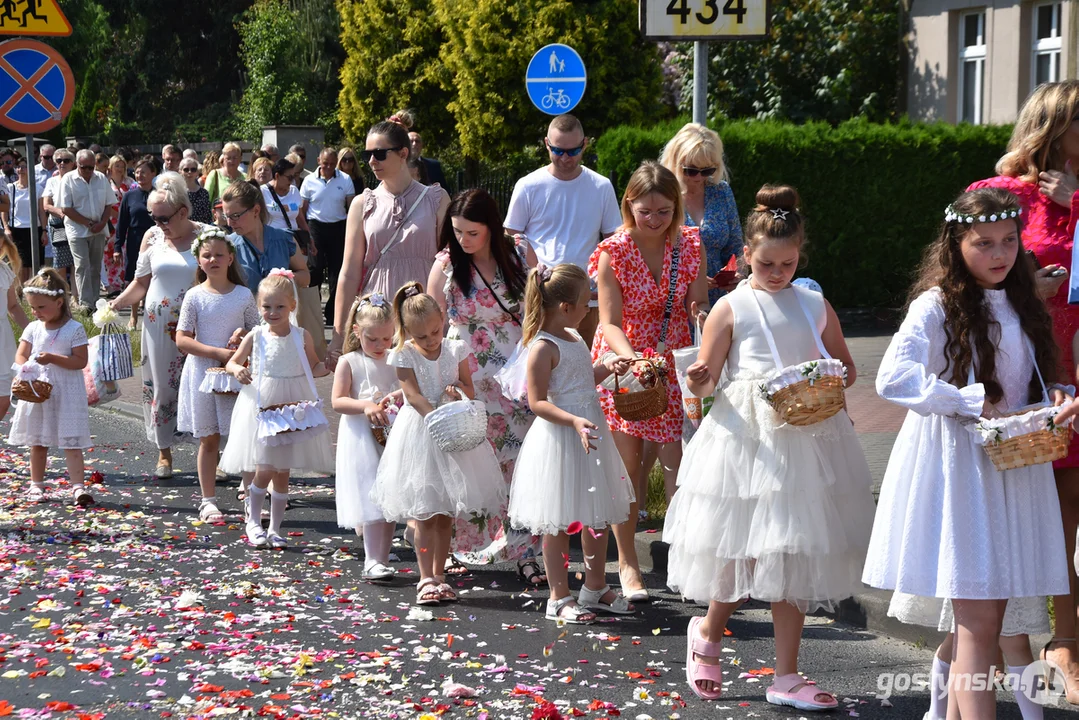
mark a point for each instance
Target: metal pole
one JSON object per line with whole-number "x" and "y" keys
{"x": 35, "y": 231}
{"x": 700, "y": 82}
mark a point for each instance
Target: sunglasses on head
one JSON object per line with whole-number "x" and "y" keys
{"x": 559, "y": 152}
{"x": 703, "y": 172}
{"x": 379, "y": 153}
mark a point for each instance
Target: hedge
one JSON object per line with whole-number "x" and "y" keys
{"x": 874, "y": 195}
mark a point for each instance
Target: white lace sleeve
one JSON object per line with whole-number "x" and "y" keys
{"x": 78, "y": 334}
{"x": 251, "y": 312}
{"x": 904, "y": 376}
{"x": 189, "y": 312}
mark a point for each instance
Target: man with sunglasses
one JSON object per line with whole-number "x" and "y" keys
{"x": 301, "y": 152}
{"x": 87, "y": 199}
{"x": 564, "y": 208}
{"x": 46, "y": 168}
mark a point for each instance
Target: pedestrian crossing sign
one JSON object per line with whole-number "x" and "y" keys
{"x": 33, "y": 18}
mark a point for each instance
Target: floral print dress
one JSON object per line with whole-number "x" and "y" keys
{"x": 113, "y": 277}
{"x": 171, "y": 274}
{"x": 721, "y": 230}
{"x": 492, "y": 335}
{"x": 643, "y": 301}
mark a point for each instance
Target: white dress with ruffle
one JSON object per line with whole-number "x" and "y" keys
{"x": 358, "y": 452}
{"x": 417, "y": 480}
{"x": 280, "y": 375}
{"x": 765, "y": 509}
{"x": 63, "y": 421}
{"x": 213, "y": 318}
{"x": 949, "y": 524}
{"x": 555, "y": 483}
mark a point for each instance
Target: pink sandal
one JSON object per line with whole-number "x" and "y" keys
{"x": 697, "y": 671}
{"x": 805, "y": 698}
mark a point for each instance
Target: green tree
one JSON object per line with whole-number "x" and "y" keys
{"x": 825, "y": 60}
{"x": 392, "y": 61}
{"x": 489, "y": 43}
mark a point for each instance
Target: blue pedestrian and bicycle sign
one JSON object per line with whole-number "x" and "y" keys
{"x": 556, "y": 79}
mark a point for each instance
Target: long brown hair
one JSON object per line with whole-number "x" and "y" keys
{"x": 968, "y": 323}
{"x": 479, "y": 207}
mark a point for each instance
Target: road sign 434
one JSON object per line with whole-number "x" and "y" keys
{"x": 705, "y": 19}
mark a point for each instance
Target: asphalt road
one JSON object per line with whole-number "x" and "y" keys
{"x": 132, "y": 608}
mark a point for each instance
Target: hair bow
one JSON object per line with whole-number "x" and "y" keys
{"x": 411, "y": 291}
{"x": 544, "y": 273}
{"x": 283, "y": 273}
{"x": 375, "y": 300}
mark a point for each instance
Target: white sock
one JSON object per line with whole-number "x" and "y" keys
{"x": 255, "y": 498}
{"x": 376, "y": 542}
{"x": 212, "y": 500}
{"x": 277, "y": 511}
{"x": 938, "y": 689}
{"x": 1025, "y": 693}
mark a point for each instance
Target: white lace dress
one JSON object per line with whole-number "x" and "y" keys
{"x": 63, "y": 421}
{"x": 279, "y": 373}
{"x": 213, "y": 318}
{"x": 949, "y": 524}
{"x": 555, "y": 482}
{"x": 7, "y": 335}
{"x": 357, "y": 451}
{"x": 417, "y": 480}
{"x": 763, "y": 509}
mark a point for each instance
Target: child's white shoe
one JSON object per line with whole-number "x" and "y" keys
{"x": 81, "y": 497}
{"x": 377, "y": 571}
{"x": 276, "y": 541}
{"x": 256, "y": 535}
{"x": 36, "y": 493}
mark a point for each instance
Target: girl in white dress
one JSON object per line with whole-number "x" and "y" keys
{"x": 277, "y": 423}
{"x": 10, "y": 268}
{"x": 949, "y": 524}
{"x": 214, "y": 317}
{"x": 765, "y": 509}
{"x": 569, "y": 472}
{"x": 58, "y": 343}
{"x": 364, "y": 386}
{"x": 416, "y": 480}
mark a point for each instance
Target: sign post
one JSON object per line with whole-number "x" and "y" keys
{"x": 703, "y": 21}
{"x": 556, "y": 79}
{"x": 36, "y": 93}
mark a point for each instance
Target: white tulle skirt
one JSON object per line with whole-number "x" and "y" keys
{"x": 1022, "y": 616}
{"x": 777, "y": 513}
{"x": 357, "y": 466}
{"x": 555, "y": 483}
{"x": 416, "y": 480}
{"x": 246, "y": 453}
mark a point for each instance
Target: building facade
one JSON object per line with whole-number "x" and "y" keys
{"x": 976, "y": 61}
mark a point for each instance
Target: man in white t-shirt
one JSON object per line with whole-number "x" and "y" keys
{"x": 565, "y": 209}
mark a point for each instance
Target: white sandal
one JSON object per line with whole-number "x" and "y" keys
{"x": 429, "y": 596}
{"x": 593, "y": 600}
{"x": 210, "y": 513}
{"x": 568, "y": 611}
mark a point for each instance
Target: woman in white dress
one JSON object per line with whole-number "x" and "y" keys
{"x": 164, "y": 274}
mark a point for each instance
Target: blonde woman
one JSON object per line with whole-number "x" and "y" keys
{"x": 695, "y": 156}
{"x": 349, "y": 165}
{"x": 229, "y": 172}
{"x": 261, "y": 171}
{"x": 1039, "y": 168}
{"x": 210, "y": 162}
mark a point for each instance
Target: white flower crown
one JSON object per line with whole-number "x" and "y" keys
{"x": 953, "y": 215}
{"x": 42, "y": 291}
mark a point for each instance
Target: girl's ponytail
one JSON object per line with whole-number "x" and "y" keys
{"x": 411, "y": 304}
{"x": 547, "y": 288}
{"x": 534, "y": 310}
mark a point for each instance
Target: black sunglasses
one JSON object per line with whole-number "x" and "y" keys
{"x": 703, "y": 172}
{"x": 191, "y": 170}
{"x": 352, "y": 159}
{"x": 85, "y": 167}
{"x": 46, "y": 157}
{"x": 64, "y": 161}
{"x": 379, "y": 153}
{"x": 163, "y": 219}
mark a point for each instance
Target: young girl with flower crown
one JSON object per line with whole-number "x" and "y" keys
{"x": 214, "y": 317}
{"x": 416, "y": 479}
{"x": 277, "y": 423}
{"x": 569, "y": 475}
{"x": 974, "y": 344}
{"x": 766, "y": 509}
{"x": 53, "y": 349}
{"x": 366, "y": 394}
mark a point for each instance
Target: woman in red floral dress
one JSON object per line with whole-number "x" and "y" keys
{"x": 633, "y": 271}
{"x": 1039, "y": 168}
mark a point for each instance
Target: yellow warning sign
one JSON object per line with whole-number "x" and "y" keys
{"x": 33, "y": 17}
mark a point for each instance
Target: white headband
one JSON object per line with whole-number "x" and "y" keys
{"x": 42, "y": 291}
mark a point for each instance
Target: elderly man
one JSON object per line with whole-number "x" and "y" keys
{"x": 170, "y": 158}
{"x": 565, "y": 209}
{"x": 434, "y": 167}
{"x": 86, "y": 198}
{"x": 270, "y": 150}
{"x": 44, "y": 169}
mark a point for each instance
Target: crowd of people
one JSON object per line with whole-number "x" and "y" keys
{"x": 537, "y": 316}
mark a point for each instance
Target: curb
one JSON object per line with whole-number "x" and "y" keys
{"x": 121, "y": 407}
{"x": 868, "y": 610}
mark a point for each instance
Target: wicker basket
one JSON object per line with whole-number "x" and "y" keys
{"x": 221, "y": 371}
{"x": 459, "y": 425}
{"x": 643, "y": 404}
{"x": 814, "y": 398}
{"x": 1049, "y": 443}
{"x": 380, "y": 432}
{"x": 35, "y": 391}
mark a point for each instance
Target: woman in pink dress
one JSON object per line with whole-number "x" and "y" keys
{"x": 391, "y": 235}
{"x": 113, "y": 277}
{"x": 642, "y": 308}
{"x": 1039, "y": 168}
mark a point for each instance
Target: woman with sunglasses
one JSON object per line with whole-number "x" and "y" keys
{"x": 18, "y": 229}
{"x": 133, "y": 222}
{"x": 164, "y": 273}
{"x": 200, "y": 199}
{"x": 695, "y": 156}
{"x": 392, "y": 231}
{"x": 350, "y": 165}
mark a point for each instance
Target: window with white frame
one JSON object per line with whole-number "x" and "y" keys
{"x": 971, "y": 65}
{"x": 1046, "y": 43}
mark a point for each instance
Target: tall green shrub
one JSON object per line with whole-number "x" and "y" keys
{"x": 874, "y": 195}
